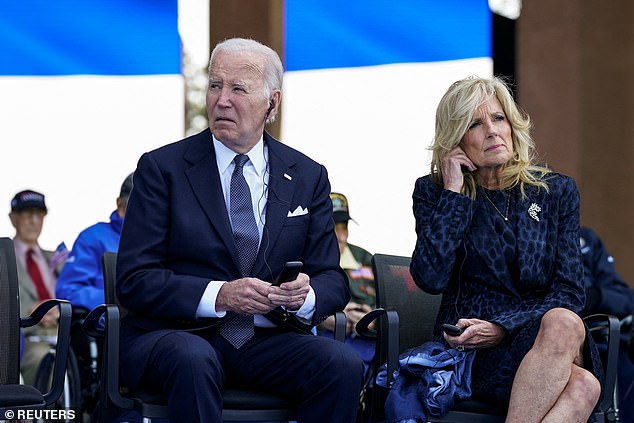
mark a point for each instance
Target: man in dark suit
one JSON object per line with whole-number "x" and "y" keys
{"x": 210, "y": 223}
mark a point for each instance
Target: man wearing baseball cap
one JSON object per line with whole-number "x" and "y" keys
{"x": 37, "y": 275}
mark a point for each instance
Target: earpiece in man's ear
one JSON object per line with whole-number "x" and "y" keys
{"x": 268, "y": 112}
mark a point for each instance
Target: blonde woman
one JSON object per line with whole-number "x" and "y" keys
{"x": 498, "y": 236}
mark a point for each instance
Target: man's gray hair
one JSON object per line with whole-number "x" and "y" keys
{"x": 273, "y": 69}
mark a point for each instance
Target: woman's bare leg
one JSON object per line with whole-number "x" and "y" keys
{"x": 547, "y": 369}
{"x": 576, "y": 402}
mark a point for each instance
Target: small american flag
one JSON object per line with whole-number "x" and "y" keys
{"x": 59, "y": 256}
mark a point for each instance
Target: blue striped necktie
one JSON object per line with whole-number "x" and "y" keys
{"x": 239, "y": 329}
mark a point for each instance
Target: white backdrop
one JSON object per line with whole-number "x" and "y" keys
{"x": 371, "y": 128}
{"x": 75, "y": 139}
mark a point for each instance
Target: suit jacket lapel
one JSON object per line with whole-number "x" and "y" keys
{"x": 204, "y": 180}
{"x": 282, "y": 183}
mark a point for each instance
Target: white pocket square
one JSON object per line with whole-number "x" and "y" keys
{"x": 299, "y": 211}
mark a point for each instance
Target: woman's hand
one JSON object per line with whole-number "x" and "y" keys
{"x": 477, "y": 334}
{"x": 451, "y": 167}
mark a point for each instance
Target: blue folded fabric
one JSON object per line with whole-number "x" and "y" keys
{"x": 430, "y": 378}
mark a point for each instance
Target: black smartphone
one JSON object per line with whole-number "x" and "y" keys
{"x": 452, "y": 330}
{"x": 289, "y": 272}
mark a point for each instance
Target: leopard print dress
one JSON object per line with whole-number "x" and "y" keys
{"x": 505, "y": 271}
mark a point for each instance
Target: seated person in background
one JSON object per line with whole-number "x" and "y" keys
{"x": 608, "y": 293}
{"x": 81, "y": 279}
{"x": 498, "y": 236}
{"x": 37, "y": 274}
{"x": 357, "y": 263}
{"x": 211, "y": 222}
{"x": 81, "y": 283}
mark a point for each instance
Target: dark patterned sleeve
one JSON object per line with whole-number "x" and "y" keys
{"x": 442, "y": 217}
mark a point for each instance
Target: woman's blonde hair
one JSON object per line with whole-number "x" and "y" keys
{"x": 453, "y": 117}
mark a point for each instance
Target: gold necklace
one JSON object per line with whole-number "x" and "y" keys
{"x": 508, "y": 203}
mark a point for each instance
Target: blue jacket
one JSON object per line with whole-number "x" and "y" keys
{"x": 81, "y": 280}
{"x": 430, "y": 378}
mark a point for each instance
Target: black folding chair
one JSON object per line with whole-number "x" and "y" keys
{"x": 13, "y": 396}
{"x": 239, "y": 405}
{"x": 407, "y": 316}
{"x": 82, "y": 376}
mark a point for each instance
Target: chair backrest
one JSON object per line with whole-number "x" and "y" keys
{"x": 396, "y": 290}
{"x": 9, "y": 315}
{"x": 109, "y": 267}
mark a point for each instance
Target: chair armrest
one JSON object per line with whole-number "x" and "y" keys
{"x": 40, "y": 311}
{"x": 362, "y": 326}
{"x": 109, "y": 394}
{"x": 610, "y": 327}
{"x": 340, "y": 326}
{"x": 92, "y": 322}
{"x": 62, "y": 346}
{"x": 387, "y": 337}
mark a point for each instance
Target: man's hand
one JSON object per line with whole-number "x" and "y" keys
{"x": 290, "y": 294}
{"x": 246, "y": 295}
{"x": 354, "y": 312}
{"x": 50, "y": 319}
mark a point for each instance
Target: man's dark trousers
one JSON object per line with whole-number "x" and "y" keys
{"x": 284, "y": 363}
